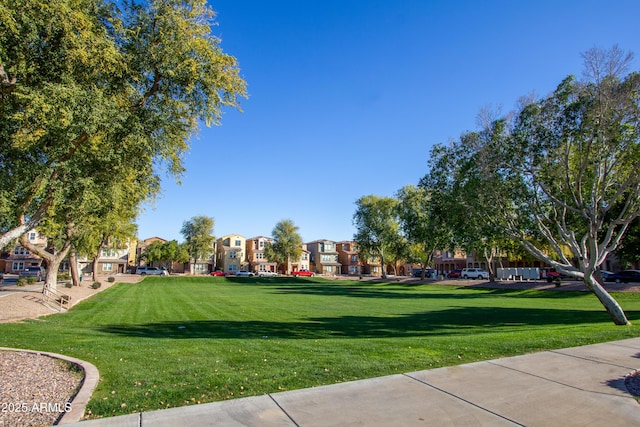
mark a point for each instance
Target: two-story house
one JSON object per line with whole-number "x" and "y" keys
{"x": 231, "y": 253}
{"x": 349, "y": 257}
{"x": 324, "y": 257}
{"x": 255, "y": 255}
{"x": 20, "y": 257}
{"x": 111, "y": 260}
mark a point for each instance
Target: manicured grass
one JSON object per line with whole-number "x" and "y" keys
{"x": 171, "y": 341}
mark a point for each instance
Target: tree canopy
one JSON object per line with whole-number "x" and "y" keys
{"x": 286, "y": 245}
{"x": 560, "y": 175}
{"x": 97, "y": 93}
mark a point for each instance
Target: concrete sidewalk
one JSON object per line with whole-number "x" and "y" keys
{"x": 582, "y": 386}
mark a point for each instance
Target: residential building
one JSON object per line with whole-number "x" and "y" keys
{"x": 324, "y": 257}
{"x": 299, "y": 264}
{"x": 20, "y": 257}
{"x": 445, "y": 261}
{"x": 231, "y": 253}
{"x": 372, "y": 266}
{"x": 255, "y": 255}
{"x": 111, "y": 260}
{"x": 349, "y": 257}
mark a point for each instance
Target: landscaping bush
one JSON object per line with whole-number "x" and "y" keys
{"x": 21, "y": 282}
{"x": 111, "y": 279}
{"x": 96, "y": 285}
{"x": 64, "y": 276}
{"x": 31, "y": 280}
{"x": 68, "y": 285}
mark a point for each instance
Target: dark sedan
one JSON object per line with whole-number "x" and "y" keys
{"x": 625, "y": 276}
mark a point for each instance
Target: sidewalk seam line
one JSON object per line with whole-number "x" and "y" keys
{"x": 561, "y": 383}
{"x": 602, "y": 362}
{"x": 283, "y": 410}
{"x": 464, "y": 400}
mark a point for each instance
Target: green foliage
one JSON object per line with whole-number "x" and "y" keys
{"x": 97, "y": 97}
{"x": 111, "y": 279}
{"x": 198, "y": 235}
{"x": 286, "y": 245}
{"x": 378, "y": 229}
{"x": 167, "y": 340}
{"x": 95, "y": 285}
{"x": 22, "y": 282}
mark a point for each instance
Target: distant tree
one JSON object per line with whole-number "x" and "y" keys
{"x": 199, "y": 239}
{"x": 286, "y": 245}
{"x": 166, "y": 253}
{"x": 377, "y": 227}
{"x": 101, "y": 91}
{"x": 422, "y": 215}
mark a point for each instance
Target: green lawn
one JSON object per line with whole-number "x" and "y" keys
{"x": 171, "y": 341}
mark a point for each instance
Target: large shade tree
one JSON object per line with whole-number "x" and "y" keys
{"x": 96, "y": 92}
{"x": 562, "y": 177}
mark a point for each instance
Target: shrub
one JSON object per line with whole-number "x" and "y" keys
{"x": 111, "y": 279}
{"x": 96, "y": 285}
{"x": 21, "y": 282}
{"x": 32, "y": 280}
{"x": 64, "y": 276}
{"x": 68, "y": 285}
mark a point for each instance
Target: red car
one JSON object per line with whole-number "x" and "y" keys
{"x": 454, "y": 274}
{"x": 218, "y": 273}
{"x": 305, "y": 273}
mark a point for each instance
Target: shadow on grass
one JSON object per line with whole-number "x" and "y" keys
{"x": 454, "y": 321}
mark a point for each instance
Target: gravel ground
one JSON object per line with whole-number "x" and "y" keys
{"x": 35, "y": 390}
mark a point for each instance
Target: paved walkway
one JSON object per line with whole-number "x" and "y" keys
{"x": 581, "y": 386}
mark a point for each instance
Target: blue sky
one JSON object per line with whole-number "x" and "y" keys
{"x": 346, "y": 99}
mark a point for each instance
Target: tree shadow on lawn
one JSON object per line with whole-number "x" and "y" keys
{"x": 453, "y": 321}
{"x": 431, "y": 291}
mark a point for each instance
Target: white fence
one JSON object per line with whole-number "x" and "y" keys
{"x": 521, "y": 273}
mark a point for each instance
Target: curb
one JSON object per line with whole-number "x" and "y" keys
{"x": 81, "y": 398}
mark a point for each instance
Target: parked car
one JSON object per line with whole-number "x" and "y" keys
{"x": 218, "y": 273}
{"x": 267, "y": 274}
{"x": 33, "y": 271}
{"x": 474, "y": 273}
{"x": 152, "y": 271}
{"x": 550, "y": 274}
{"x": 626, "y": 276}
{"x": 606, "y": 275}
{"x": 244, "y": 273}
{"x": 454, "y": 274}
{"x": 429, "y": 273}
{"x": 305, "y": 273}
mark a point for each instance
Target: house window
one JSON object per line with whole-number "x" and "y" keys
{"x": 305, "y": 256}
{"x": 260, "y": 255}
{"x": 329, "y": 269}
{"x": 328, "y": 258}
{"x": 17, "y": 265}
{"x": 345, "y": 247}
{"x": 329, "y": 247}
{"x": 261, "y": 244}
{"x": 375, "y": 269}
{"x": 108, "y": 252}
{"x": 238, "y": 243}
{"x": 262, "y": 267}
{"x": 32, "y": 236}
{"x": 232, "y": 254}
{"x": 200, "y": 268}
{"x": 354, "y": 258}
{"x": 107, "y": 266}
{"x": 232, "y": 268}
{"x": 19, "y": 250}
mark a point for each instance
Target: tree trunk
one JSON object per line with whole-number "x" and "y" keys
{"x": 73, "y": 267}
{"x": 610, "y": 304}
